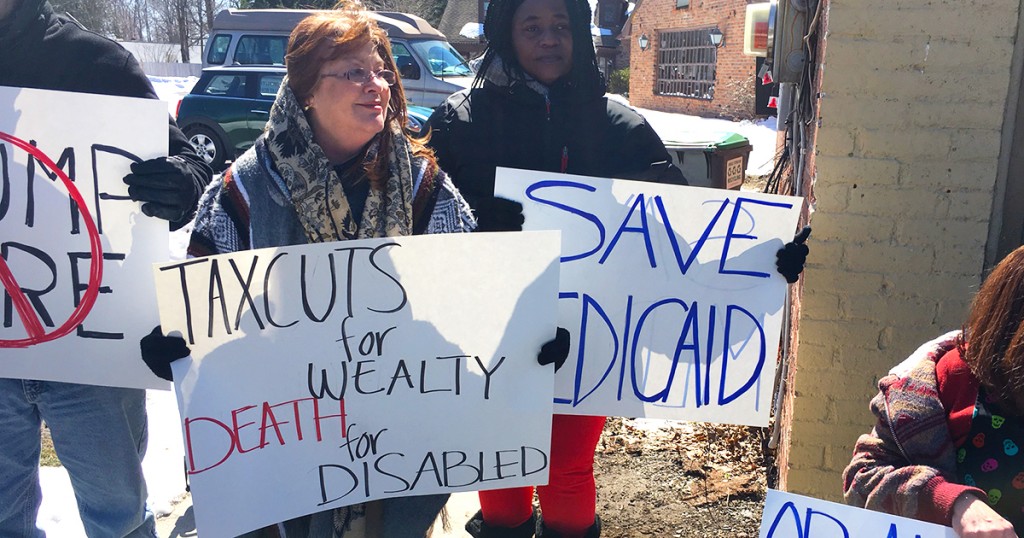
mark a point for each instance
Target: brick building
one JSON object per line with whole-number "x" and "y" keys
{"x": 681, "y": 70}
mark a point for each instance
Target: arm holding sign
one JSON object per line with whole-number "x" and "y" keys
{"x": 640, "y": 153}
{"x": 295, "y": 185}
{"x": 40, "y": 49}
{"x": 47, "y": 51}
{"x": 950, "y": 423}
{"x": 908, "y": 467}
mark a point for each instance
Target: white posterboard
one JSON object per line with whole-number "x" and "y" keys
{"x": 75, "y": 251}
{"x": 787, "y": 515}
{"x": 331, "y": 374}
{"x": 658, "y": 284}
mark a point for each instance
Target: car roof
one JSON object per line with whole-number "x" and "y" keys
{"x": 396, "y": 24}
{"x": 248, "y": 68}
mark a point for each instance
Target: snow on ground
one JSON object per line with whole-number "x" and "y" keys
{"x": 172, "y": 89}
{"x": 760, "y": 133}
{"x": 164, "y": 466}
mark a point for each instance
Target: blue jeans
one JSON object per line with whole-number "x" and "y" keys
{"x": 99, "y": 434}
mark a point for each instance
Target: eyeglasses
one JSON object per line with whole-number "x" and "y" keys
{"x": 360, "y": 75}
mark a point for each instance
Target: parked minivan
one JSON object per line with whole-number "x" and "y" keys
{"x": 430, "y": 68}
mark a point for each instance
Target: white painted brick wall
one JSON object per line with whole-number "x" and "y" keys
{"x": 912, "y": 103}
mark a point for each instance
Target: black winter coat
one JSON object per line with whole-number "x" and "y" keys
{"x": 476, "y": 130}
{"x": 39, "y": 49}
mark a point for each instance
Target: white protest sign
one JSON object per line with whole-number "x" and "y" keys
{"x": 331, "y": 374}
{"x": 671, "y": 294}
{"x": 75, "y": 251}
{"x": 787, "y": 515}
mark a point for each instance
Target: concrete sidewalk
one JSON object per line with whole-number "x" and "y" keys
{"x": 180, "y": 523}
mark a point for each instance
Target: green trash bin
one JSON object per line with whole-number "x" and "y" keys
{"x": 715, "y": 159}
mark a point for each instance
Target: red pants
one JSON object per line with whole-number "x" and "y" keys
{"x": 568, "y": 501}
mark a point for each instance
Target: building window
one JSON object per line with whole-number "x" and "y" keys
{"x": 686, "y": 64}
{"x": 682, "y": 3}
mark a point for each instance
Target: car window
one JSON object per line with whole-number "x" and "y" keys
{"x": 269, "y": 84}
{"x": 404, "y": 61}
{"x": 441, "y": 58}
{"x": 228, "y": 85}
{"x": 218, "y": 49}
{"x": 261, "y": 49}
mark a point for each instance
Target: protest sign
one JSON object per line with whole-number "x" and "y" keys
{"x": 331, "y": 374}
{"x": 671, "y": 294}
{"x": 75, "y": 251}
{"x": 787, "y": 515}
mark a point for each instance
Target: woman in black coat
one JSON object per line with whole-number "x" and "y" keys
{"x": 538, "y": 103}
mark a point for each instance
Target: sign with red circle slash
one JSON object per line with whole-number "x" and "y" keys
{"x": 75, "y": 250}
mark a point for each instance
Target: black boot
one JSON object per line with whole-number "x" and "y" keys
{"x": 544, "y": 532}
{"x": 477, "y": 528}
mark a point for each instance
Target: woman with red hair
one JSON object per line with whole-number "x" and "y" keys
{"x": 333, "y": 164}
{"x": 946, "y": 447}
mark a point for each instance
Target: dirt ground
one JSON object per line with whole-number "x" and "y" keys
{"x": 680, "y": 480}
{"x": 654, "y": 479}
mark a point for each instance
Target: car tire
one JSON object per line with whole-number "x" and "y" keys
{"x": 208, "y": 145}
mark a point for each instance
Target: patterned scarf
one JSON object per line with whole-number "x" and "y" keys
{"x": 317, "y": 191}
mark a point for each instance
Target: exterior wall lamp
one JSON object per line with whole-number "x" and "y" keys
{"x": 643, "y": 41}
{"x": 716, "y": 37}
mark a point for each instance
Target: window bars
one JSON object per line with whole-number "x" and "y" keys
{"x": 686, "y": 64}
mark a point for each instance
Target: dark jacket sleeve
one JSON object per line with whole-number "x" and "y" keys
{"x": 660, "y": 168}
{"x": 449, "y": 140}
{"x": 200, "y": 173}
{"x": 48, "y": 51}
{"x": 115, "y": 72}
{"x": 440, "y": 137}
{"x": 644, "y": 155}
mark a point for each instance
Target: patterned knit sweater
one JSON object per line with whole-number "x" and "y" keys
{"x": 907, "y": 465}
{"x": 249, "y": 207}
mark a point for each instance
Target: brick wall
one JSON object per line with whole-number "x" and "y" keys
{"x": 734, "y": 84}
{"x": 911, "y": 111}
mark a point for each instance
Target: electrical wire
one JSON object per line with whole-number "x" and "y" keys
{"x": 787, "y": 177}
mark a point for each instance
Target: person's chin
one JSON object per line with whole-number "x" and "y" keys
{"x": 548, "y": 74}
{"x": 375, "y": 126}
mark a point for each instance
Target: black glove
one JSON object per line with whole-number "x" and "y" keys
{"x": 159, "y": 351}
{"x": 790, "y": 259}
{"x": 555, "y": 351}
{"x": 499, "y": 215}
{"x": 165, "y": 187}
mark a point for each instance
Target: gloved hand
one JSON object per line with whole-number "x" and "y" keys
{"x": 499, "y": 215}
{"x": 165, "y": 187}
{"x": 555, "y": 351}
{"x": 159, "y": 351}
{"x": 790, "y": 259}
